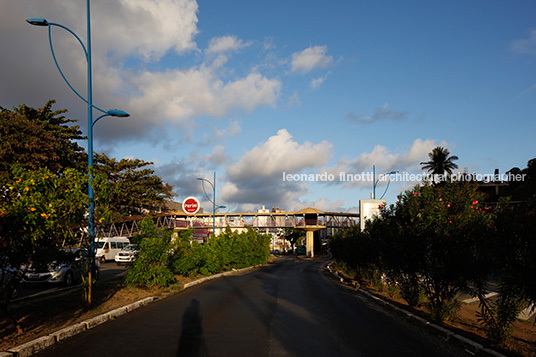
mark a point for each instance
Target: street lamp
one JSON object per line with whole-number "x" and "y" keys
{"x": 39, "y": 21}
{"x": 375, "y": 182}
{"x": 213, "y": 201}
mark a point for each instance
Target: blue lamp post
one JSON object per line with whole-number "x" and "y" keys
{"x": 39, "y": 21}
{"x": 213, "y": 201}
{"x": 375, "y": 182}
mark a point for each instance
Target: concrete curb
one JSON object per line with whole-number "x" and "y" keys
{"x": 470, "y": 346}
{"x": 39, "y": 344}
{"x": 226, "y": 273}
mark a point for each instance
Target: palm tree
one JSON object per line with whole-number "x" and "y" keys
{"x": 440, "y": 162}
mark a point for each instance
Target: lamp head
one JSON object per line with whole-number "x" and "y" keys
{"x": 117, "y": 113}
{"x": 37, "y": 21}
{"x": 199, "y": 178}
{"x": 392, "y": 172}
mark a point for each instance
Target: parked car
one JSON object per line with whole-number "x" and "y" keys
{"x": 108, "y": 247}
{"x": 128, "y": 254}
{"x": 65, "y": 272}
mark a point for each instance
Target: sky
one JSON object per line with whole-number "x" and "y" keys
{"x": 282, "y": 99}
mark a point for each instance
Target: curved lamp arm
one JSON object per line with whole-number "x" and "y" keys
{"x": 205, "y": 191}
{"x": 112, "y": 113}
{"x": 39, "y": 21}
{"x": 388, "y": 182}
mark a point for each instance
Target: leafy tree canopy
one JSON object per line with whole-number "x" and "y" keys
{"x": 43, "y": 138}
{"x": 293, "y": 235}
{"x": 133, "y": 186}
{"x": 37, "y": 138}
{"x": 40, "y": 211}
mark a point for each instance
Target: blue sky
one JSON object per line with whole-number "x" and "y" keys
{"x": 255, "y": 89}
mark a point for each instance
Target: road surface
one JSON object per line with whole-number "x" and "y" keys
{"x": 289, "y": 308}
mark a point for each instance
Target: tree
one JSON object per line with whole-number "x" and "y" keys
{"x": 133, "y": 187}
{"x": 526, "y": 188}
{"x": 293, "y": 235}
{"x": 38, "y": 212}
{"x": 41, "y": 208}
{"x": 436, "y": 238}
{"x": 440, "y": 162}
{"x": 36, "y": 138}
{"x": 514, "y": 268}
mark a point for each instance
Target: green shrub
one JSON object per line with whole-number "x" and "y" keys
{"x": 150, "y": 269}
{"x": 229, "y": 250}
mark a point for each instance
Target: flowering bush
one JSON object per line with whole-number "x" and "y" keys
{"x": 431, "y": 241}
{"x": 453, "y": 227}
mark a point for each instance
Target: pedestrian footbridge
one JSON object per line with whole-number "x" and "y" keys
{"x": 309, "y": 219}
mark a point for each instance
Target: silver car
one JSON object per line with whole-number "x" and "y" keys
{"x": 127, "y": 255}
{"x": 66, "y": 273}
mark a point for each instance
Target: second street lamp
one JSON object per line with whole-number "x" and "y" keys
{"x": 39, "y": 21}
{"x": 375, "y": 182}
{"x": 213, "y": 201}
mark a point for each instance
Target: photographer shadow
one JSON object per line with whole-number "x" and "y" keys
{"x": 192, "y": 341}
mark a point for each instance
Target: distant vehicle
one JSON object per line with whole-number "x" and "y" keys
{"x": 107, "y": 248}
{"x": 66, "y": 273}
{"x": 128, "y": 254}
{"x": 275, "y": 252}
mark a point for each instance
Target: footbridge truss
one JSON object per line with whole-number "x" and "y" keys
{"x": 271, "y": 222}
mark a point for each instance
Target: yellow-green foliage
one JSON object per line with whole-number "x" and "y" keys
{"x": 229, "y": 250}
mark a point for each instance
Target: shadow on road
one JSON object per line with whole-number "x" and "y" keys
{"x": 192, "y": 341}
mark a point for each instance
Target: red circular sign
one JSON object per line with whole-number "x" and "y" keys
{"x": 190, "y": 205}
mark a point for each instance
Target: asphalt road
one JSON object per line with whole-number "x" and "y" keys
{"x": 289, "y": 308}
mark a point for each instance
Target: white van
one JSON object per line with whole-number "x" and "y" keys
{"x": 107, "y": 248}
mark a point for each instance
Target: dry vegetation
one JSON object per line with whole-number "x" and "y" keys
{"x": 521, "y": 343}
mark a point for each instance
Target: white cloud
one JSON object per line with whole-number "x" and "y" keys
{"x": 248, "y": 196}
{"x": 323, "y": 204}
{"x": 126, "y": 33}
{"x": 257, "y": 177}
{"x": 294, "y": 100}
{"x": 385, "y": 112}
{"x": 385, "y": 160}
{"x": 526, "y": 45}
{"x": 280, "y": 153}
{"x": 149, "y": 27}
{"x": 311, "y": 58}
{"x": 225, "y": 44}
{"x": 233, "y": 129}
{"x": 213, "y": 159}
{"x": 317, "y": 82}
{"x": 177, "y": 96}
